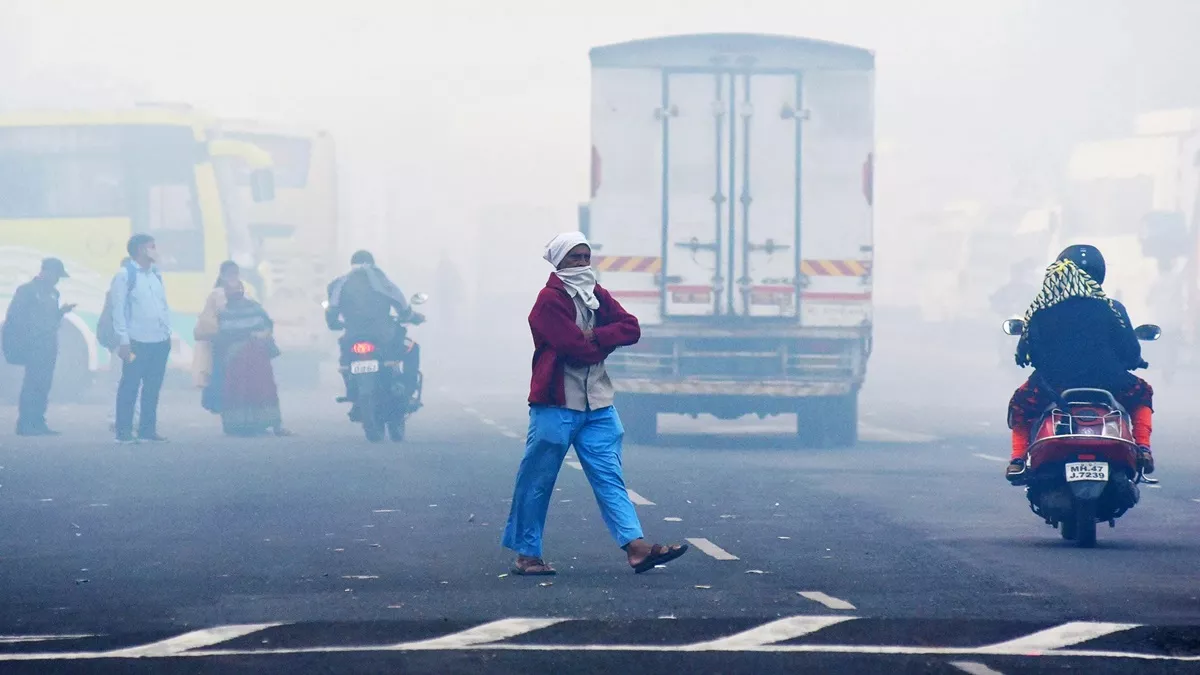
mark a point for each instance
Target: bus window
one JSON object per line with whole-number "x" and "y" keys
{"x": 162, "y": 162}
{"x": 290, "y": 158}
{"x": 53, "y": 172}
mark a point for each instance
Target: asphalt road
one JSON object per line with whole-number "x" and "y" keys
{"x": 323, "y": 553}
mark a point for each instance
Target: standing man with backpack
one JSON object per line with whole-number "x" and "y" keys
{"x": 141, "y": 322}
{"x": 31, "y": 340}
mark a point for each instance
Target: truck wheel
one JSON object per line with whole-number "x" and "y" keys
{"x": 640, "y": 421}
{"x": 828, "y": 421}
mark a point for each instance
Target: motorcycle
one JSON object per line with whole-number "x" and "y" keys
{"x": 1082, "y": 468}
{"x": 376, "y": 386}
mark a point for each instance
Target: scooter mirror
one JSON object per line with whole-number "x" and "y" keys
{"x": 419, "y": 299}
{"x": 1148, "y": 332}
{"x": 1014, "y": 326}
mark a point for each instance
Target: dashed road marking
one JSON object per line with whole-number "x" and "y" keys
{"x": 488, "y": 632}
{"x": 196, "y": 639}
{"x": 974, "y": 668}
{"x": 710, "y": 549}
{"x": 488, "y": 421}
{"x": 1067, "y": 634}
{"x": 869, "y": 432}
{"x": 573, "y": 463}
{"x": 511, "y": 434}
{"x": 764, "y": 638}
{"x": 775, "y": 631}
{"x": 827, "y": 600}
{"x": 638, "y": 499}
{"x": 992, "y": 458}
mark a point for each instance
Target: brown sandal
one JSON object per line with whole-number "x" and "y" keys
{"x": 532, "y": 567}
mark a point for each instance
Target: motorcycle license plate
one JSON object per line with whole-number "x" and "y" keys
{"x": 362, "y": 367}
{"x": 1077, "y": 471}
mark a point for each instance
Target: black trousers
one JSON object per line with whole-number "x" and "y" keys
{"x": 35, "y": 391}
{"x": 145, "y": 372}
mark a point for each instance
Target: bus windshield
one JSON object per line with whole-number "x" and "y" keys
{"x": 145, "y": 173}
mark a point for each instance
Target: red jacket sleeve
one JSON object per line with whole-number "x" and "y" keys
{"x": 553, "y": 320}
{"x": 614, "y": 326}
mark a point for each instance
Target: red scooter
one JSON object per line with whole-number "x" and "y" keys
{"x": 1082, "y": 468}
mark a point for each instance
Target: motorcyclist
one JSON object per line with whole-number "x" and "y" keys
{"x": 361, "y": 302}
{"x": 1076, "y": 336}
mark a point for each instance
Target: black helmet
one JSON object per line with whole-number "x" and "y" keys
{"x": 1087, "y": 258}
{"x": 362, "y": 258}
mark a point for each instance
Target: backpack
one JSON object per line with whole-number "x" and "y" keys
{"x": 106, "y": 333}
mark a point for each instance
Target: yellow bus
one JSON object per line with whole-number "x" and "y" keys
{"x": 295, "y": 236}
{"x": 76, "y": 185}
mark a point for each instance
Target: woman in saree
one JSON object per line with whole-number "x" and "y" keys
{"x": 206, "y": 331}
{"x": 242, "y": 387}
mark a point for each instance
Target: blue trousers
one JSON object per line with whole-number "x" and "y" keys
{"x": 597, "y": 436}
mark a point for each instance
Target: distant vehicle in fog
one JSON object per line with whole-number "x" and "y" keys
{"x": 731, "y": 212}
{"x": 75, "y": 185}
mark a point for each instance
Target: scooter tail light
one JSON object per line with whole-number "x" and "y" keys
{"x": 362, "y": 348}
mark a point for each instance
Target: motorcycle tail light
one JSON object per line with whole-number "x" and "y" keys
{"x": 362, "y": 348}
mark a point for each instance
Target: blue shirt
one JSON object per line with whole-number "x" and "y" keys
{"x": 143, "y": 315}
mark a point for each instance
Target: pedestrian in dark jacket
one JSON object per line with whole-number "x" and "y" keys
{"x": 576, "y": 324}
{"x": 31, "y": 340}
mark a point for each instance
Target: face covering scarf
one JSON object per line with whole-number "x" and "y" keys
{"x": 580, "y": 281}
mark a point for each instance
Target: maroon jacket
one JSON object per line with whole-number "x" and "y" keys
{"x": 557, "y": 339}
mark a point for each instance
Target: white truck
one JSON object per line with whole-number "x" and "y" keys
{"x": 731, "y": 212}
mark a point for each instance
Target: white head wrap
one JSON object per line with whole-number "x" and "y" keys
{"x": 580, "y": 281}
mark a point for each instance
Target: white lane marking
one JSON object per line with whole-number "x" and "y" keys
{"x": 711, "y": 549}
{"x": 1154, "y": 486}
{"x": 471, "y": 411}
{"x": 13, "y": 639}
{"x": 869, "y": 432}
{"x": 574, "y": 465}
{"x": 673, "y": 519}
{"x": 488, "y": 421}
{"x": 702, "y": 646}
{"x": 1196, "y": 500}
{"x": 511, "y": 434}
{"x": 775, "y": 631}
{"x": 827, "y": 600}
{"x": 638, "y": 499}
{"x": 1058, "y": 637}
{"x": 992, "y": 458}
{"x": 196, "y": 639}
{"x": 482, "y": 634}
{"x": 974, "y": 668}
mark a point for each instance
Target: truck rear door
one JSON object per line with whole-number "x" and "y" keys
{"x": 767, "y": 194}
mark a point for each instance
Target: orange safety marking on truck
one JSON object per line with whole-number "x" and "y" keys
{"x": 835, "y": 268}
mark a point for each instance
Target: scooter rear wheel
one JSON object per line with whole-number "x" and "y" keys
{"x": 1085, "y": 524}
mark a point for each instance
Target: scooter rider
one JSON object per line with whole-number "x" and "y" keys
{"x": 1076, "y": 336}
{"x": 361, "y": 303}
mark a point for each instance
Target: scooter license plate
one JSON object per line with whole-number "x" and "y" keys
{"x": 363, "y": 367}
{"x": 1077, "y": 471}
